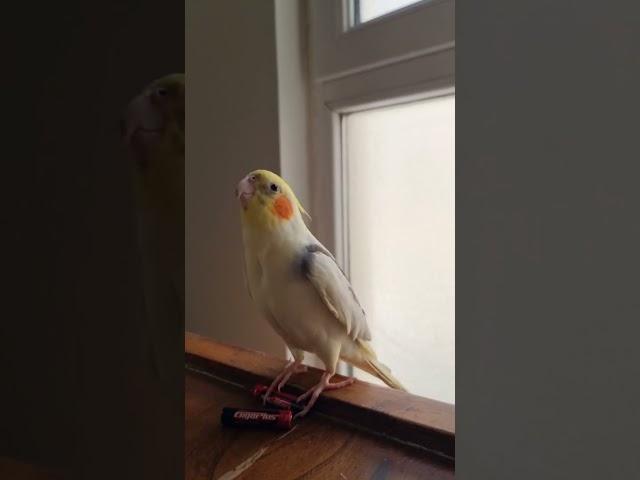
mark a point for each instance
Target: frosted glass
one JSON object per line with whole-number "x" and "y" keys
{"x": 366, "y": 10}
{"x": 401, "y": 222}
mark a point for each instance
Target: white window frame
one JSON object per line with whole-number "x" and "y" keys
{"x": 406, "y": 55}
{"x": 350, "y": 73}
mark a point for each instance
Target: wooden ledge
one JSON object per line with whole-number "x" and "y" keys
{"x": 410, "y": 419}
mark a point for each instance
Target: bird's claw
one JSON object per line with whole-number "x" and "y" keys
{"x": 304, "y": 396}
{"x": 299, "y": 415}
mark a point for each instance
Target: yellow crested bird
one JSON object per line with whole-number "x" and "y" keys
{"x": 153, "y": 131}
{"x": 298, "y": 286}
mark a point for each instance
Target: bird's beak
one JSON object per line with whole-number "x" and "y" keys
{"x": 245, "y": 191}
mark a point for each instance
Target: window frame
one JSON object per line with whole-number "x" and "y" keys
{"x": 414, "y": 59}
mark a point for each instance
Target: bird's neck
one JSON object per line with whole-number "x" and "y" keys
{"x": 289, "y": 236}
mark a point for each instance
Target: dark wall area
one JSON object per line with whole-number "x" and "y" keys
{"x": 77, "y": 387}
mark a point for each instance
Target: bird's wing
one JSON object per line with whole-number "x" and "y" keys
{"x": 322, "y": 270}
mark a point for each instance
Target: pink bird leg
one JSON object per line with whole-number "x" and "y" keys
{"x": 294, "y": 366}
{"x": 315, "y": 391}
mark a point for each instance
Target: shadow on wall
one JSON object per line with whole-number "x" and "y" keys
{"x": 75, "y": 356}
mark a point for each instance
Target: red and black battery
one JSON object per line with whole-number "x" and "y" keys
{"x": 277, "y": 399}
{"x": 257, "y": 417}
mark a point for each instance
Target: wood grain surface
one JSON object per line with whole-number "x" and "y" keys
{"x": 410, "y": 418}
{"x": 316, "y": 448}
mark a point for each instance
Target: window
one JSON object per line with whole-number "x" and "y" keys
{"x": 400, "y": 217}
{"x": 364, "y": 10}
{"x": 382, "y": 118}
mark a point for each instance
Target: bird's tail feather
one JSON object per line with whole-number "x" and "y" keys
{"x": 370, "y": 364}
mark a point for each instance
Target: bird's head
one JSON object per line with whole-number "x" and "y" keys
{"x": 154, "y": 120}
{"x": 267, "y": 201}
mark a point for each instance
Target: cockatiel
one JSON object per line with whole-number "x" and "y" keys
{"x": 153, "y": 131}
{"x": 299, "y": 287}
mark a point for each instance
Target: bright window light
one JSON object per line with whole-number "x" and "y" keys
{"x": 365, "y": 10}
{"x": 401, "y": 219}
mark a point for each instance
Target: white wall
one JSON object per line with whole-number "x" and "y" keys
{"x": 293, "y": 105}
{"x": 231, "y": 129}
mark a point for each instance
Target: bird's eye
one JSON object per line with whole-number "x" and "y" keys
{"x": 274, "y": 187}
{"x": 161, "y": 92}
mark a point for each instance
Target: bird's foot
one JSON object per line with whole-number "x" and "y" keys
{"x": 298, "y": 369}
{"x": 276, "y": 381}
{"x": 314, "y": 392}
{"x": 292, "y": 367}
{"x": 343, "y": 383}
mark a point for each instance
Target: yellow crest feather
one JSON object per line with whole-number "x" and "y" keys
{"x": 278, "y": 179}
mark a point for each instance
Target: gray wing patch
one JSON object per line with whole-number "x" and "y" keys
{"x": 321, "y": 269}
{"x": 307, "y": 257}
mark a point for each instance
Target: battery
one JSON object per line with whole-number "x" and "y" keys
{"x": 282, "y": 403}
{"x": 260, "y": 389}
{"x": 257, "y": 417}
{"x": 277, "y": 399}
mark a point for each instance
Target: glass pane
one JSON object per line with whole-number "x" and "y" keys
{"x": 365, "y": 10}
{"x": 401, "y": 210}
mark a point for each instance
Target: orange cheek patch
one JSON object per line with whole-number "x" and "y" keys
{"x": 283, "y": 207}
